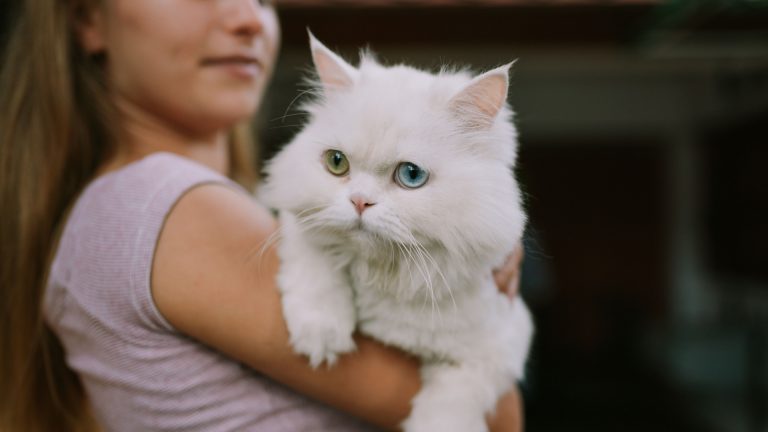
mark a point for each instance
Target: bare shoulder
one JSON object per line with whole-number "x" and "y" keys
{"x": 211, "y": 272}
{"x": 220, "y": 213}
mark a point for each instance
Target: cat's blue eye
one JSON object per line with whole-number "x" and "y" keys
{"x": 410, "y": 175}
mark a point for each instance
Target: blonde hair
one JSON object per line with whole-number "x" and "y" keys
{"x": 56, "y": 128}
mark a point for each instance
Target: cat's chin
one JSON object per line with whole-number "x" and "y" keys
{"x": 368, "y": 238}
{"x": 362, "y": 230}
{"x": 356, "y": 231}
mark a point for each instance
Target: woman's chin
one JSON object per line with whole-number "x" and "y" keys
{"x": 234, "y": 106}
{"x": 227, "y": 119}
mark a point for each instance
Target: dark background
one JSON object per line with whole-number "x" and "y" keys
{"x": 644, "y": 161}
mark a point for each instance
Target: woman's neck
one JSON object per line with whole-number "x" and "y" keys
{"x": 142, "y": 134}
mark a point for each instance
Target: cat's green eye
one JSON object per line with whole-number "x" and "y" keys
{"x": 336, "y": 162}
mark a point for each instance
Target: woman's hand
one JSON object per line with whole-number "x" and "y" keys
{"x": 507, "y": 277}
{"x": 508, "y": 416}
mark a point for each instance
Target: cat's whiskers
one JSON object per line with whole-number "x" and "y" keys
{"x": 395, "y": 226}
{"x": 404, "y": 249}
{"x": 314, "y": 217}
{"x": 257, "y": 252}
{"x": 412, "y": 255}
{"x": 400, "y": 229}
{"x": 430, "y": 287}
{"x": 384, "y": 272}
{"x": 273, "y": 238}
{"x": 424, "y": 253}
{"x": 421, "y": 266}
{"x": 284, "y": 116}
{"x": 409, "y": 262}
{"x": 310, "y": 210}
{"x": 311, "y": 90}
{"x": 397, "y": 268}
{"x": 311, "y": 222}
{"x": 400, "y": 285}
{"x": 437, "y": 268}
{"x": 392, "y": 262}
{"x": 383, "y": 225}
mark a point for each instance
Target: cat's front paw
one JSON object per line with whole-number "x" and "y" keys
{"x": 322, "y": 342}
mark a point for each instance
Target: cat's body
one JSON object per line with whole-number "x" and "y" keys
{"x": 397, "y": 235}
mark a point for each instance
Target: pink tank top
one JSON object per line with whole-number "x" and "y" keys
{"x": 140, "y": 373}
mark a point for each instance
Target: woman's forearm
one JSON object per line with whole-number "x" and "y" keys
{"x": 375, "y": 383}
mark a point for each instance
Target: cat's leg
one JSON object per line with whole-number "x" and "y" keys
{"x": 455, "y": 397}
{"x": 317, "y": 300}
{"x": 513, "y": 333}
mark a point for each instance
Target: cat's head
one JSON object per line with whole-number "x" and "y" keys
{"x": 395, "y": 154}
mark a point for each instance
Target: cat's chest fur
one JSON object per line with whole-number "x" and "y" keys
{"x": 418, "y": 300}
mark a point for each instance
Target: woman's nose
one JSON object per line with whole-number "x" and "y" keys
{"x": 244, "y": 17}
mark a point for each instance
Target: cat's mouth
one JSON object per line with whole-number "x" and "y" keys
{"x": 359, "y": 225}
{"x": 365, "y": 229}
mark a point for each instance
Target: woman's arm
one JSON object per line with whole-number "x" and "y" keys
{"x": 212, "y": 280}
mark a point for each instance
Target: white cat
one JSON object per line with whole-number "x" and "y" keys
{"x": 396, "y": 201}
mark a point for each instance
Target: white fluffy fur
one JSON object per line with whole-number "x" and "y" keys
{"x": 413, "y": 270}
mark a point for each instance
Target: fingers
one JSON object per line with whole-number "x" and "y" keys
{"x": 507, "y": 277}
{"x": 508, "y": 416}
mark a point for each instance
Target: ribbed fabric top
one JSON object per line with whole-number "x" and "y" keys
{"x": 139, "y": 372}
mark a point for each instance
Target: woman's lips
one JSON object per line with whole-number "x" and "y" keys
{"x": 244, "y": 67}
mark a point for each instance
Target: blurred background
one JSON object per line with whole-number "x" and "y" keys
{"x": 644, "y": 160}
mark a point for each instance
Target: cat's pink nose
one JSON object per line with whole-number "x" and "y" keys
{"x": 360, "y": 203}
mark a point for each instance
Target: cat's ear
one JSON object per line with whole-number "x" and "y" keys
{"x": 334, "y": 72}
{"x": 480, "y": 101}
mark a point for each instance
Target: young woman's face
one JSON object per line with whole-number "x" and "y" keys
{"x": 200, "y": 65}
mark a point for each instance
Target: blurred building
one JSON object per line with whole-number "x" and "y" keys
{"x": 644, "y": 158}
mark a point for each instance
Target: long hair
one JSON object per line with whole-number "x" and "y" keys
{"x": 57, "y": 126}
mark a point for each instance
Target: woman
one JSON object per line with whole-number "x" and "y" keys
{"x": 124, "y": 241}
